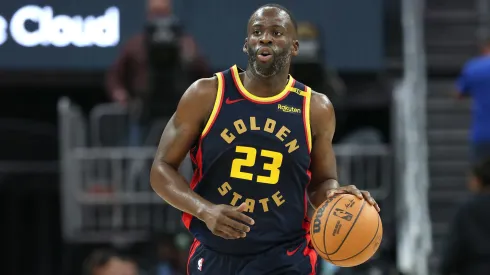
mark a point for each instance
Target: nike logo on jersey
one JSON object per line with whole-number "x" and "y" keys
{"x": 230, "y": 101}
{"x": 291, "y": 252}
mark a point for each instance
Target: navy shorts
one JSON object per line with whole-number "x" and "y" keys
{"x": 297, "y": 259}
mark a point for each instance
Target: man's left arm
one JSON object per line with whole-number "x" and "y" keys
{"x": 323, "y": 165}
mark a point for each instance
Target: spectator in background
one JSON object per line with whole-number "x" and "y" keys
{"x": 468, "y": 247}
{"x": 167, "y": 256}
{"x": 153, "y": 69}
{"x": 172, "y": 252}
{"x": 474, "y": 82}
{"x": 106, "y": 262}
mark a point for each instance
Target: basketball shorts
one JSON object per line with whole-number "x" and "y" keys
{"x": 297, "y": 259}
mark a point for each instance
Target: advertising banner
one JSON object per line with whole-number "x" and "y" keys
{"x": 85, "y": 35}
{"x": 65, "y": 34}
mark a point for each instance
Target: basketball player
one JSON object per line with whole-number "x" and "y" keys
{"x": 261, "y": 143}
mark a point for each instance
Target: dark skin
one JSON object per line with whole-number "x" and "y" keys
{"x": 272, "y": 28}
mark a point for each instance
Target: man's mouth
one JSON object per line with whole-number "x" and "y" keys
{"x": 264, "y": 54}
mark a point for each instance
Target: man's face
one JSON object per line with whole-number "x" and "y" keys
{"x": 270, "y": 43}
{"x": 159, "y": 7}
{"x": 117, "y": 267}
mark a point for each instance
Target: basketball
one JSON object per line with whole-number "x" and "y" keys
{"x": 346, "y": 231}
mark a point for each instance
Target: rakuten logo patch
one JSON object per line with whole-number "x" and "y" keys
{"x": 60, "y": 30}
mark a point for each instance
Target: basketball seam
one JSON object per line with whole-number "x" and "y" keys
{"x": 326, "y": 223}
{"x": 350, "y": 229}
{"x": 374, "y": 237}
{"x": 313, "y": 239}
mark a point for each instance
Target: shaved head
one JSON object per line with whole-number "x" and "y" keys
{"x": 278, "y": 7}
{"x": 271, "y": 41}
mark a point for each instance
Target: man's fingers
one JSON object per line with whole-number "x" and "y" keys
{"x": 354, "y": 191}
{"x": 331, "y": 193}
{"x": 368, "y": 198}
{"x": 238, "y": 216}
{"x": 234, "y": 234}
{"x": 223, "y": 235}
{"x": 242, "y": 207}
{"x": 236, "y": 225}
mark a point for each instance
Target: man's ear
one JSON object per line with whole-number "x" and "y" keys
{"x": 245, "y": 47}
{"x": 295, "y": 50}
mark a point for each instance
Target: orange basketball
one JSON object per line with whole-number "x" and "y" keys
{"x": 346, "y": 231}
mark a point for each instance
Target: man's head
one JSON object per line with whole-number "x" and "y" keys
{"x": 480, "y": 180}
{"x": 166, "y": 247}
{"x": 106, "y": 262}
{"x": 159, "y": 7}
{"x": 271, "y": 40}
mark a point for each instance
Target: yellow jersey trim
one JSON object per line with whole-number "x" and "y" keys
{"x": 298, "y": 91}
{"x": 217, "y": 105}
{"x": 255, "y": 98}
{"x": 307, "y": 118}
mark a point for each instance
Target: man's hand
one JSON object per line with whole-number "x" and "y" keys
{"x": 227, "y": 221}
{"x": 351, "y": 189}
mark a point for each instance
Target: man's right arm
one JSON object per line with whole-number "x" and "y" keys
{"x": 180, "y": 134}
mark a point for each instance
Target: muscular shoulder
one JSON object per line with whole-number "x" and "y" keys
{"x": 202, "y": 92}
{"x": 203, "y": 89}
{"x": 320, "y": 103}
{"x": 199, "y": 99}
{"x": 322, "y": 115}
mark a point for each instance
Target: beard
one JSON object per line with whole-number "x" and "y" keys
{"x": 280, "y": 59}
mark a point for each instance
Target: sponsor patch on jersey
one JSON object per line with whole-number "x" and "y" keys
{"x": 288, "y": 109}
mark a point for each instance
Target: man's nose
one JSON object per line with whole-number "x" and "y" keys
{"x": 266, "y": 39}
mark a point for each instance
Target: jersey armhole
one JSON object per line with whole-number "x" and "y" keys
{"x": 306, "y": 117}
{"x": 217, "y": 105}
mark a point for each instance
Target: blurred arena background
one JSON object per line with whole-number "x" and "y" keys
{"x": 86, "y": 88}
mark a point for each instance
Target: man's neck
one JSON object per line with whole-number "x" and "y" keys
{"x": 264, "y": 86}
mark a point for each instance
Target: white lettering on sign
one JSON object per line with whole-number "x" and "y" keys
{"x": 61, "y": 30}
{"x": 3, "y": 30}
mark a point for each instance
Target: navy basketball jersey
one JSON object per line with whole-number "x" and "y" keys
{"x": 255, "y": 150}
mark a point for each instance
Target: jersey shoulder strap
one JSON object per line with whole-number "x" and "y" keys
{"x": 302, "y": 93}
{"x": 217, "y": 103}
